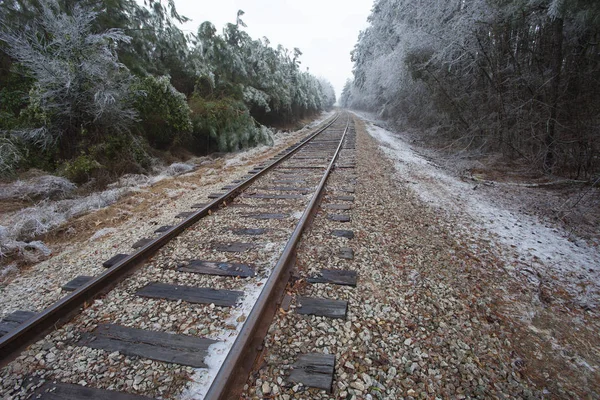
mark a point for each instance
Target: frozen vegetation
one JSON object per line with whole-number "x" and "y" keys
{"x": 47, "y": 186}
{"x": 97, "y": 92}
{"x": 112, "y": 84}
{"x": 57, "y": 203}
{"x": 516, "y": 77}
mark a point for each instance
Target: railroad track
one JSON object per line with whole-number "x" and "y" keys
{"x": 216, "y": 281}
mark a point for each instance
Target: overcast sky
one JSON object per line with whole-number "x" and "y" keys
{"x": 324, "y": 30}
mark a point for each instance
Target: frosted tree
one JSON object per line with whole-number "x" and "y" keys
{"x": 328, "y": 92}
{"x": 516, "y": 77}
{"x": 80, "y": 90}
{"x": 267, "y": 80}
{"x": 346, "y": 96}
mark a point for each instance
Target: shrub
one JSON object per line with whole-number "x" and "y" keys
{"x": 46, "y": 186}
{"x": 12, "y": 101}
{"x": 81, "y": 168}
{"x": 178, "y": 169}
{"x": 228, "y": 122}
{"x": 10, "y": 156}
{"x": 164, "y": 113}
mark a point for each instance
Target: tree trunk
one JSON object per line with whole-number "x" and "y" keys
{"x": 556, "y": 65}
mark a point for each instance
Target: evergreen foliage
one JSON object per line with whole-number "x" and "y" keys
{"x": 269, "y": 81}
{"x": 328, "y": 93}
{"x": 227, "y": 122}
{"x": 164, "y": 112}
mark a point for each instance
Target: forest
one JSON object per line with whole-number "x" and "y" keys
{"x": 92, "y": 89}
{"x": 519, "y": 78}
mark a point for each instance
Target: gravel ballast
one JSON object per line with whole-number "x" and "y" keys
{"x": 434, "y": 315}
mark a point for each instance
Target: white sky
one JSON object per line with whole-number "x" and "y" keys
{"x": 324, "y": 30}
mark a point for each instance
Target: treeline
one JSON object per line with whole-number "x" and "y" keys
{"x": 93, "y": 86}
{"x": 519, "y": 77}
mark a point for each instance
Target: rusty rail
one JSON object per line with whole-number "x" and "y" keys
{"x": 238, "y": 363}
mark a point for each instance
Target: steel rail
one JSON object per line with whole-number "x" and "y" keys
{"x": 238, "y": 363}
{"x": 58, "y": 313}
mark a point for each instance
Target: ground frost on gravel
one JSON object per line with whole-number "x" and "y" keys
{"x": 538, "y": 247}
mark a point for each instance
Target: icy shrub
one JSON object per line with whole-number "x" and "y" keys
{"x": 178, "y": 169}
{"x": 119, "y": 154}
{"x": 27, "y": 251}
{"x": 131, "y": 181}
{"x": 80, "y": 86}
{"x": 163, "y": 110}
{"x": 42, "y": 187}
{"x": 257, "y": 98}
{"x": 35, "y": 221}
{"x": 9, "y": 156}
{"x": 38, "y": 245}
{"x": 4, "y": 241}
{"x": 76, "y": 207}
{"x": 228, "y": 123}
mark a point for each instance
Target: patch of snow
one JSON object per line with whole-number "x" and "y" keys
{"x": 297, "y": 214}
{"x": 101, "y": 233}
{"x": 242, "y": 157}
{"x": 216, "y": 354}
{"x": 175, "y": 193}
{"x": 535, "y": 243}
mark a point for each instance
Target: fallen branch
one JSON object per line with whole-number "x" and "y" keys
{"x": 528, "y": 185}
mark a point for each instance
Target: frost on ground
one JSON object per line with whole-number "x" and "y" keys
{"x": 217, "y": 353}
{"x": 102, "y": 233}
{"x": 321, "y": 119}
{"x": 533, "y": 248}
{"x": 139, "y": 181}
{"x": 18, "y": 229}
{"x": 244, "y": 156}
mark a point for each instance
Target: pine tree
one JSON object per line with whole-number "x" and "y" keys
{"x": 80, "y": 87}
